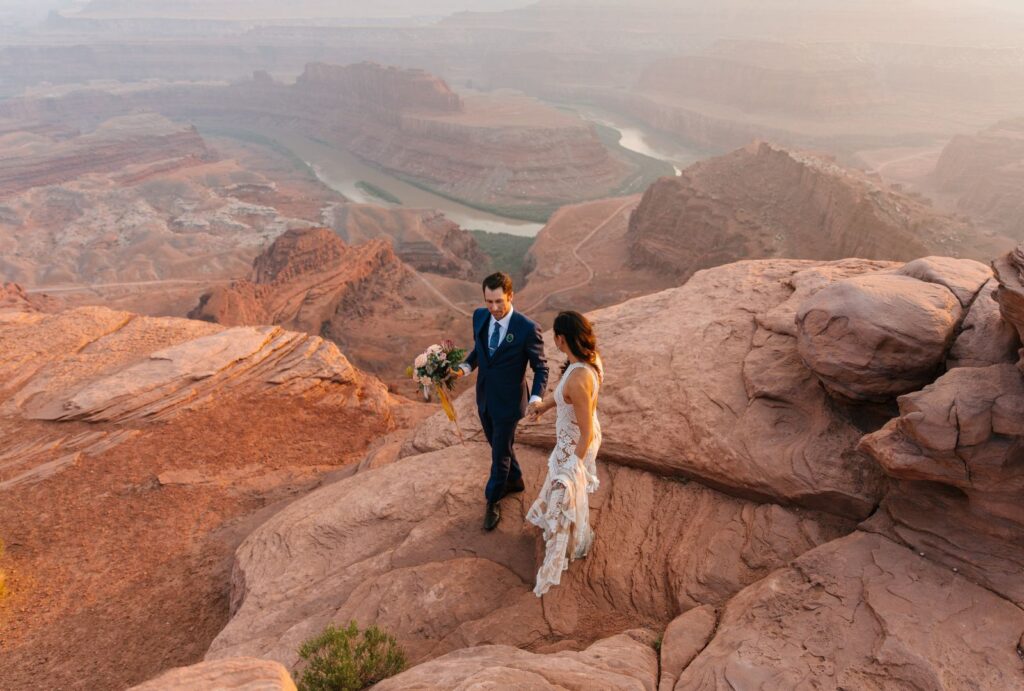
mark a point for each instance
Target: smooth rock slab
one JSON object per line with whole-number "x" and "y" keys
{"x": 232, "y": 674}
{"x": 684, "y": 639}
{"x": 862, "y": 613}
{"x": 703, "y": 382}
{"x": 625, "y": 662}
{"x": 402, "y": 546}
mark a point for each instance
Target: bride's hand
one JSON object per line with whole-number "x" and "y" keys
{"x": 534, "y": 412}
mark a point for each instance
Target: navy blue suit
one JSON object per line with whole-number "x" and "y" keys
{"x": 501, "y": 391}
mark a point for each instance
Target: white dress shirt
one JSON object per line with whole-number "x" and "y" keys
{"x": 502, "y": 325}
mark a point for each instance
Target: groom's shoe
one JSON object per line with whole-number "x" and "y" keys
{"x": 513, "y": 487}
{"x": 491, "y": 516}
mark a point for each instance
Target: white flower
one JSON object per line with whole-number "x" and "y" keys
{"x": 426, "y": 381}
{"x": 421, "y": 360}
{"x": 435, "y": 350}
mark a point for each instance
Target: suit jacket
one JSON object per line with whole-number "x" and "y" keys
{"x": 501, "y": 383}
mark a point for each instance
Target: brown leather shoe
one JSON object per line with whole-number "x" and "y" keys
{"x": 491, "y": 516}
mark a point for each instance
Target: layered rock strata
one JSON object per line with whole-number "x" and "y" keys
{"x": 762, "y": 201}
{"x": 362, "y": 297}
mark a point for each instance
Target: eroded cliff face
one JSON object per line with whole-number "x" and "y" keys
{"x": 985, "y": 173}
{"x": 424, "y": 239}
{"x": 363, "y": 297}
{"x": 764, "y": 201}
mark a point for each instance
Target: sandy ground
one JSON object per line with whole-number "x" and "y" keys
{"x": 115, "y": 575}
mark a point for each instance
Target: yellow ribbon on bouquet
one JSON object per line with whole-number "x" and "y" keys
{"x": 449, "y": 409}
{"x": 446, "y": 403}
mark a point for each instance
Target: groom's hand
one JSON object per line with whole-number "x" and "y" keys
{"x": 533, "y": 412}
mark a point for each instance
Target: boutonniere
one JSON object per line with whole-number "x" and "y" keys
{"x": 509, "y": 338}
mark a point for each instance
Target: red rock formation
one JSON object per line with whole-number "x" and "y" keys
{"x": 303, "y": 279}
{"x": 13, "y": 298}
{"x": 244, "y": 674}
{"x": 424, "y": 239}
{"x": 985, "y": 174}
{"x": 383, "y": 90}
{"x": 1009, "y": 270}
{"x": 193, "y": 431}
{"x": 362, "y": 297}
{"x": 137, "y": 204}
{"x": 762, "y": 201}
{"x": 106, "y": 151}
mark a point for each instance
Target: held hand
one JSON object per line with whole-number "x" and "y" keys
{"x": 534, "y": 411}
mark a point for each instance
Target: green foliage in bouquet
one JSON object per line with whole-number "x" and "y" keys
{"x": 345, "y": 659}
{"x": 435, "y": 366}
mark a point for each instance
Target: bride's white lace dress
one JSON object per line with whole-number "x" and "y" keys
{"x": 562, "y": 510}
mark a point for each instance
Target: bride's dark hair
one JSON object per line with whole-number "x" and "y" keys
{"x": 578, "y": 333}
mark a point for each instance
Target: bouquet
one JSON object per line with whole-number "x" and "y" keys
{"x": 435, "y": 368}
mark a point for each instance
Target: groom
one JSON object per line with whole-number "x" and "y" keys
{"x": 504, "y": 342}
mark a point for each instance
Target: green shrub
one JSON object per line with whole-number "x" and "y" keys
{"x": 340, "y": 659}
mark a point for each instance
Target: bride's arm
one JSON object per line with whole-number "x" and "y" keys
{"x": 579, "y": 389}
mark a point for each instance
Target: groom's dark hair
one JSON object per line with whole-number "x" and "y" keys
{"x": 499, "y": 280}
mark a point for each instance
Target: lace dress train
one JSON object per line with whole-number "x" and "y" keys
{"x": 562, "y": 510}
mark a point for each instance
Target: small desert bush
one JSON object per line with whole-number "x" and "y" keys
{"x": 345, "y": 659}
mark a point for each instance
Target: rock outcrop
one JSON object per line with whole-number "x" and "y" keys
{"x": 626, "y": 661}
{"x": 984, "y": 173}
{"x": 1009, "y": 270}
{"x": 862, "y": 612}
{"x": 14, "y": 299}
{"x": 362, "y": 297}
{"x": 874, "y": 337}
{"x": 424, "y": 239}
{"x": 241, "y": 674}
{"x": 762, "y": 201}
{"x": 713, "y": 366}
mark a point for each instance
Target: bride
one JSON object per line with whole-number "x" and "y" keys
{"x": 562, "y": 510}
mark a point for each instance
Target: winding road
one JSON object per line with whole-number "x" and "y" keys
{"x": 576, "y": 254}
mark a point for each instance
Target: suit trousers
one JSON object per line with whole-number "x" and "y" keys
{"x": 505, "y": 470}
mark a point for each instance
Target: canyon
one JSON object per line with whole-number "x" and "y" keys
{"x": 499, "y": 152}
{"x": 226, "y": 228}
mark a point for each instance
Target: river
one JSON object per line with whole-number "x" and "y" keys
{"x": 343, "y": 171}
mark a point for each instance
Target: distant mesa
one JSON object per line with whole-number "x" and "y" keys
{"x": 386, "y": 89}
{"x": 985, "y": 175}
{"x": 764, "y": 201}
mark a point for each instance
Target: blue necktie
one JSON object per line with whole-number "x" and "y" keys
{"x": 493, "y": 345}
